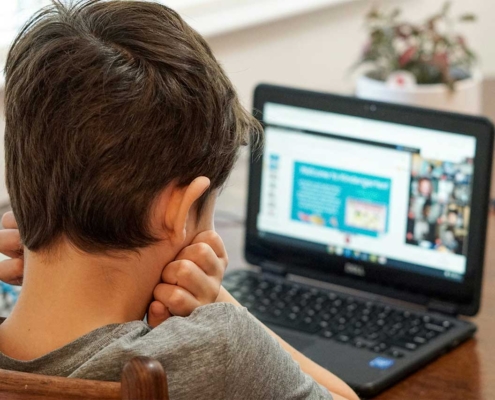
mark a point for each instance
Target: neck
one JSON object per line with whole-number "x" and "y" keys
{"x": 70, "y": 293}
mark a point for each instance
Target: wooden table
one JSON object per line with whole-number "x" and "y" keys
{"x": 467, "y": 372}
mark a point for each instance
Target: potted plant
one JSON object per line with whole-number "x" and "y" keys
{"x": 427, "y": 65}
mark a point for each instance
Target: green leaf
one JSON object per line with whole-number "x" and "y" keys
{"x": 471, "y": 54}
{"x": 438, "y": 49}
{"x": 468, "y": 18}
{"x": 377, "y": 35}
{"x": 373, "y": 13}
{"x": 395, "y": 13}
{"x": 446, "y": 8}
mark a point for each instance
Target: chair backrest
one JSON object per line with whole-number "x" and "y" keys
{"x": 142, "y": 379}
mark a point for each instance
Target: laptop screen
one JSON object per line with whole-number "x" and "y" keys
{"x": 388, "y": 194}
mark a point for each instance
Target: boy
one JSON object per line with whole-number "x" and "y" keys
{"x": 120, "y": 129}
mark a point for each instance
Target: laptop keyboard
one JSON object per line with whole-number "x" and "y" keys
{"x": 375, "y": 326}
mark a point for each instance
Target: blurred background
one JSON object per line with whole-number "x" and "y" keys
{"x": 308, "y": 44}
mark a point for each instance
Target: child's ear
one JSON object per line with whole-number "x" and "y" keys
{"x": 180, "y": 205}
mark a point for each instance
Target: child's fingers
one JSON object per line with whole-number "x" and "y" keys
{"x": 12, "y": 271}
{"x": 177, "y": 299}
{"x": 157, "y": 313}
{"x": 203, "y": 255}
{"x": 10, "y": 243}
{"x": 8, "y": 221}
{"x": 186, "y": 274}
{"x": 214, "y": 240}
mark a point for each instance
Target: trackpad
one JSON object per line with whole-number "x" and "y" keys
{"x": 298, "y": 340}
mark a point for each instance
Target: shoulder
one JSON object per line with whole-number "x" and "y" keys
{"x": 256, "y": 356}
{"x": 194, "y": 352}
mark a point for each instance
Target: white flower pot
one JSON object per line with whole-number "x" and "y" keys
{"x": 465, "y": 99}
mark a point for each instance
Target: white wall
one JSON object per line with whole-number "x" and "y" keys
{"x": 487, "y": 17}
{"x": 316, "y": 50}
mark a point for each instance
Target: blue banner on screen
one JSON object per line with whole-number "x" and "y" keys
{"x": 339, "y": 199}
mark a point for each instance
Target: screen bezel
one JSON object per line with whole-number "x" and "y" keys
{"x": 397, "y": 283}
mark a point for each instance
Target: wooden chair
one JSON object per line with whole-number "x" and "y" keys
{"x": 142, "y": 379}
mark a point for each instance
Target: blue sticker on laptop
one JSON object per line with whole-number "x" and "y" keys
{"x": 382, "y": 363}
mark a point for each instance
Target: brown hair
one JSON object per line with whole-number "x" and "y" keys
{"x": 108, "y": 102}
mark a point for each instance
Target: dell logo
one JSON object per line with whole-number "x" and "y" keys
{"x": 354, "y": 269}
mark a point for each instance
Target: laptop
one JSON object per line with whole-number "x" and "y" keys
{"x": 367, "y": 222}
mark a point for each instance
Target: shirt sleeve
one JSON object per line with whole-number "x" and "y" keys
{"x": 259, "y": 368}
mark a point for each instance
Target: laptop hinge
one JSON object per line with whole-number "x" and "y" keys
{"x": 272, "y": 268}
{"x": 443, "y": 307}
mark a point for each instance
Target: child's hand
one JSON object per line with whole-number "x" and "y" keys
{"x": 192, "y": 280}
{"x": 11, "y": 270}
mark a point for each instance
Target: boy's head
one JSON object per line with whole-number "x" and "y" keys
{"x": 107, "y": 104}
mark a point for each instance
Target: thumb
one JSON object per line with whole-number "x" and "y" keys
{"x": 157, "y": 313}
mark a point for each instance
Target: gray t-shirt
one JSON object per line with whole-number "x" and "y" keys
{"x": 219, "y": 352}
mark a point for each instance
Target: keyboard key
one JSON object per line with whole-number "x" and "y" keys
{"x": 264, "y": 285}
{"x": 343, "y": 338}
{"x": 356, "y": 332}
{"x": 363, "y": 323}
{"x": 411, "y": 346}
{"x": 297, "y": 325}
{"x": 277, "y": 312}
{"x": 419, "y": 340}
{"x": 430, "y": 335}
{"x": 327, "y": 334}
{"x": 266, "y": 302}
{"x": 414, "y": 330}
{"x": 277, "y": 288}
{"x": 261, "y": 308}
{"x": 273, "y": 296}
{"x": 326, "y": 317}
{"x": 380, "y": 347}
{"x": 447, "y": 324}
{"x": 402, "y": 344}
{"x": 436, "y": 328}
{"x": 396, "y": 353}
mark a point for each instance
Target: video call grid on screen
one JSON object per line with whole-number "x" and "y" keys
{"x": 370, "y": 190}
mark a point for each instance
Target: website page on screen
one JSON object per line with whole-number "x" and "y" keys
{"x": 379, "y": 192}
